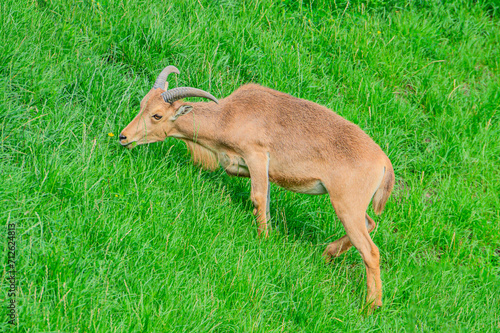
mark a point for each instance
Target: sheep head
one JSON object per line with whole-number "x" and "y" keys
{"x": 159, "y": 109}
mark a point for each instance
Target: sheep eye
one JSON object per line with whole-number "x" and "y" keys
{"x": 157, "y": 117}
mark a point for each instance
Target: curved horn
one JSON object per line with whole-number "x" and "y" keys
{"x": 162, "y": 78}
{"x": 175, "y": 94}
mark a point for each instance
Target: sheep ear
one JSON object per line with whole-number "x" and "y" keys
{"x": 184, "y": 109}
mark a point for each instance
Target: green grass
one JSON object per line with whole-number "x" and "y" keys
{"x": 112, "y": 240}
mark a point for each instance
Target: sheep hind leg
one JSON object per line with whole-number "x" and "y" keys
{"x": 341, "y": 245}
{"x": 352, "y": 220}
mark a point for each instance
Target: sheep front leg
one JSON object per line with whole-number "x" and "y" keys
{"x": 258, "y": 166}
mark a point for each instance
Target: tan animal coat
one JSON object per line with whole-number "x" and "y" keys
{"x": 271, "y": 136}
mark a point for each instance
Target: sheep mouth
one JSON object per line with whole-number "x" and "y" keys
{"x": 129, "y": 145}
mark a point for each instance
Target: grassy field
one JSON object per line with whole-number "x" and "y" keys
{"x": 112, "y": 240}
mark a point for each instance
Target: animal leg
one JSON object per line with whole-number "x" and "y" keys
{"x": 268, "y": 213}
{"x": 354, "y": 225}
{"x": 258, "y": 166}
{"x": 341, "y": 245}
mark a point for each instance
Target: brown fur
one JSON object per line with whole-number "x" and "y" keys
{"x": 383, "y": 192}
{"x": 268, "y": 136}
{"x": 202, "y": 156}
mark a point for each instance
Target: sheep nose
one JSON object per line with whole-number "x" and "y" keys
{"x": 122, "y": 137}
